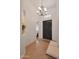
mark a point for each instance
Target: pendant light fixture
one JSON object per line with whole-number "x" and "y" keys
{"x": 42, "y": 11}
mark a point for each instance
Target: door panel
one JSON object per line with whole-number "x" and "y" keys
{"x": 47, "y": 29}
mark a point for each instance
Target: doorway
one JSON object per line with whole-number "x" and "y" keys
{"x": 47, "y": 29}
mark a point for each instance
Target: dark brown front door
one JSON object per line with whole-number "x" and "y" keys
{"x": 47, "y": 29}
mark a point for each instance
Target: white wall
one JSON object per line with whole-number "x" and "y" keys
{"x": 30, "y": 19}
{"x": 30, "y": 22}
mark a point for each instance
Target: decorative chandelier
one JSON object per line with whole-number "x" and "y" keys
{"x": 42, "y": 11}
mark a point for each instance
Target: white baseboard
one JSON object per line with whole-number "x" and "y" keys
{"x": 30, "y": 42}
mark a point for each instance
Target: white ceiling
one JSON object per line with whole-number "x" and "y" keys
{"x": 51, "y": 5}
{"x": 46, "y": 3}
